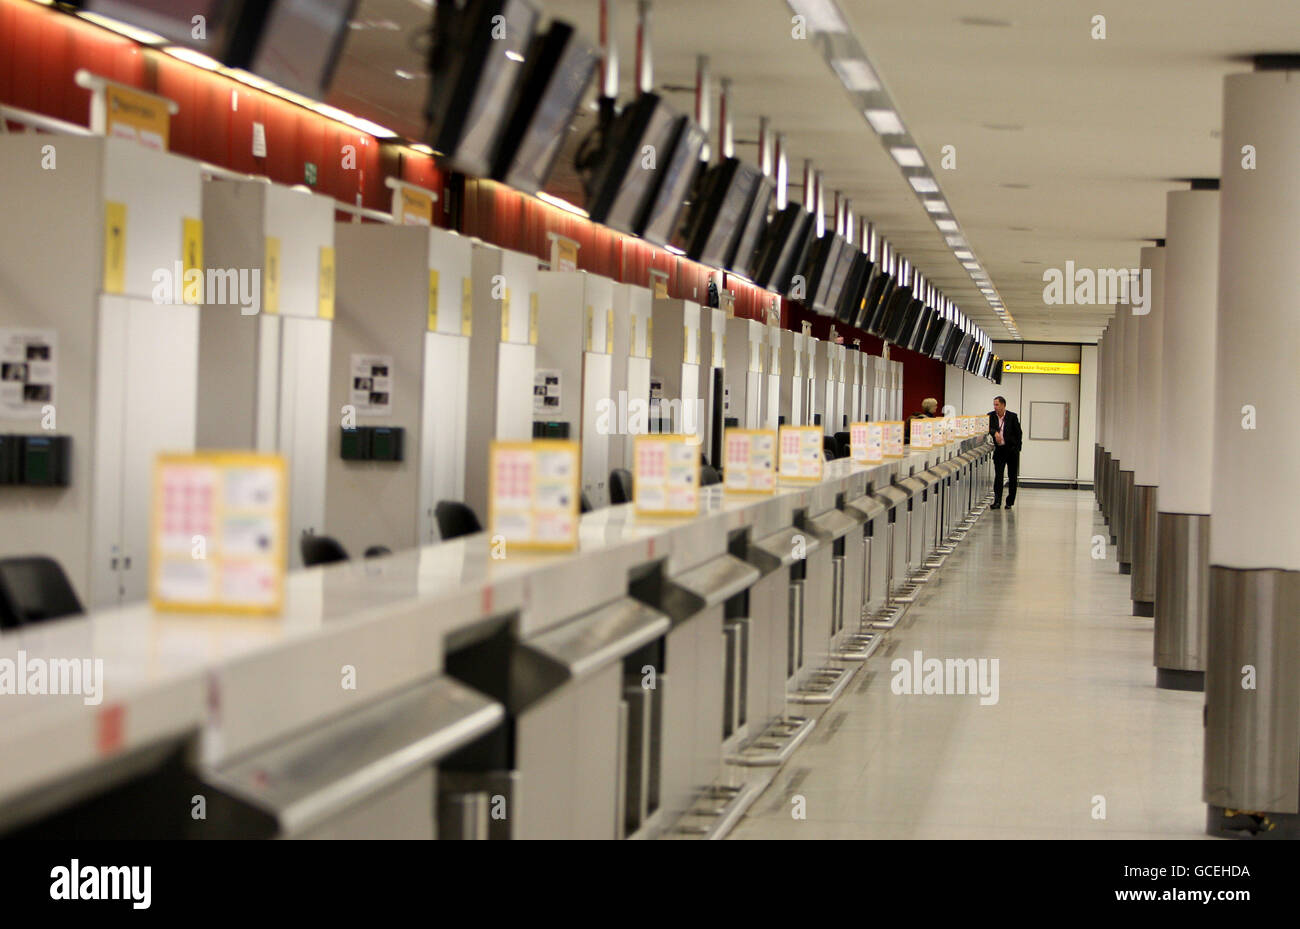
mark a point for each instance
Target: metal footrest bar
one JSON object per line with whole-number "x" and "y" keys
{"x": 858, "y": 646}
{"x": 715, "y": 812}
{"x": 825, "y": 685}
{"x": 776, "y": 744}
{"x": 888, "y": 616}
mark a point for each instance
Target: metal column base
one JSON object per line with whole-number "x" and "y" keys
{"x": 1225, "y": 823}
{"x": 776, "y": 744}
{"x": 1182, "y": 592}
{"x": 888, "y": 615}
{"x": 1145, "y": 608}
{"x": 1252, "y": 693}
{"x": 1143, "y": 586}
{"x": 1176, "y": 679}
{"x": 1124, "y": 521}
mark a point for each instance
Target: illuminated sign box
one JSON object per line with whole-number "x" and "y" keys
{"x": 1040, "y": 367}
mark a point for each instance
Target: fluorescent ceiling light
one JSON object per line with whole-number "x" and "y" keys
{"x": 514, "y": 55}
{"x": 936, "y": 206}
{"x": 947, "y": 225}
{"x": 674, "y": 249}
{"x": 923, "y": 184}
{"x": 820, "y": 15}
{"x": 965, "y": 254}
{"x": 856, "y": 74}
{"x": 885, "y": 122}
{"x": 954, "y": 240}
{"x": 907, "y": 156}
{"x": 422, "y": 148}
{"x": 190, "y": 56}
{"x": 970, "y": 265}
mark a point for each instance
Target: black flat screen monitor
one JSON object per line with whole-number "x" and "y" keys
{"x": 950, "y": 349}
{"x": 875, "y": 303}
{"x": 936, "y": 329}
{"x": 476, "y": 63}
{"x": 944, "y": 333}
{"x": 718, "y": 210}
{"x": 782, "y": 249}
{"x": 664, "y": 210}
{"x": 557, "y": 71}
{"x": 905, "y": 322}
{"x": 849, "y": 304}
{"x": 624, "y": 179}
{"x": 892, "y": 321}
{"x": 997, "y": 371}
{"x": 964, "y": 350}
{"x": 175, "y": 21}
{"x": 818, "y": 271}
{"x": 840, "y": 277}
{"x": 299, "y": 43}
{"x": 917, "y": 337}
{"x": 745, "y": 252}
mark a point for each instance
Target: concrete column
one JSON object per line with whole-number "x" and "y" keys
{"x": 1126, "y": 381}
{"x": 1186, "y": 444}
{"x": 1146, "y": 460}
{"x": 1252, "y": 688}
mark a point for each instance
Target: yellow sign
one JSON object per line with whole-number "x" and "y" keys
{"x": 114, "y": 247}
{"x": 1040, "y": 367}
{"x": 505, "y": 317}
{"x": 433, "y": 301}
{"x": 750, "y": 461}
{"x": 271, "y": 276}
{"x": 564, "y": 253}
{"x": 591, "y": 327}
{"x": 666, "y": 478}
{"x": 192, "y": 250}
{"x": 801, "y": 453}
{"x": 325, "y": 287}
{"x": 532, "y": 319}
{"x": 416, "y": 207}
{"x": 659, "y": 284}
{"x": 141, "y": 117}
{"x": 219, "y": 532}
{"x": 609, "y": 331}
{"x": 533, "y": 493}
{"x": 649, "y": 336}
{"x": 466, "y": 307}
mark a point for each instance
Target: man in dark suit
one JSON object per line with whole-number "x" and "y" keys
{"x": 1005, "y": 429}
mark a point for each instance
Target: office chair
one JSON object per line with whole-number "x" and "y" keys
{"x": 455, "y": 519}
{"x": 829, "y": 448}
{"x": 321, "y": 549}
{"x": 33, "y": 588}
{"x": 584, "y": 505}
{"x": 843, "y": 445}
{"x": 378, "y": 551}
{"x": 620, "y": 486}
{"x": 709, "y": 475}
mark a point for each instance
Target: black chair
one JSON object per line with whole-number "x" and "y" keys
{"x": 829, "y": 448}
{"x": 843, "y": 444}
{"x": 709, "y": 475}
{"x": 378, "y": 551}
{"x": 33, "y": 588}
{"x": 620, "y": 486}
{"x": 321, "y": 549}
{"x": 455, "y": 519}
{"x": 584, "y": 505}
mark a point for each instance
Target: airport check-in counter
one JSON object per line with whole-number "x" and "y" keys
{"x": 442, "y": 692}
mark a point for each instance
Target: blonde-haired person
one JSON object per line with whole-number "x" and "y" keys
{"x": 929, "y": 408}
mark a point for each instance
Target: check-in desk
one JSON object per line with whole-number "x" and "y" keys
{"x": 871, "y": 512}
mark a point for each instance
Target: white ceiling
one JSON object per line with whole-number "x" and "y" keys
{"x": 1065, "y": 144}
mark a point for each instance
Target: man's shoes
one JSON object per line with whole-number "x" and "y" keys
{"x": 996, "y": 506}
{"x": 1010, "y": 505}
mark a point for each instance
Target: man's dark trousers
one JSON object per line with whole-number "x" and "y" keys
{"x": 1009, "y": 460}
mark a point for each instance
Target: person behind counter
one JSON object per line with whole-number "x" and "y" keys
{"x": 929, "y": 408}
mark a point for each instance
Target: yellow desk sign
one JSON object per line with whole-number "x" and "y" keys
{"x": 219, "y": 532}
{"x": 325, "y": 285}
{"x": 922, "y": 433}
{"x": 666, "y": 476}
{"x": 750, "y": 461}
{"x": 867, "y": 442}
{"x": 1040, "y": 367}
{"x": 114, "y": 247}
{"x": 533, "y": 493}
{"x": 893, "y": 439}
{"x": 466, "y": 307}
{"x": 192, "y": 254}
{"x": 415, "y": 206}
{"x": 801, "y": 453}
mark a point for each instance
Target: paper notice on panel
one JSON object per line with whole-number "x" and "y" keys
{"x": 546, "y": 391}
{"x": 371, "y": 387}
{"x": 867, "y": 442}
{"x": 801, "y": 453}
{"x": 534, "y": 493}
{"x": 893, "y": 439}
{"x": 666, "y": 477}
{"x": 28, "y": 371}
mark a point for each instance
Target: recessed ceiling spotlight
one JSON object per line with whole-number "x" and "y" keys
{"x": 885, "y": 122}
{"x": 923, "y": 185}
{"x": 907, "y": 157}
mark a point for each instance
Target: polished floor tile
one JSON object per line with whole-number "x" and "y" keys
{"x": 1080, "y": 743}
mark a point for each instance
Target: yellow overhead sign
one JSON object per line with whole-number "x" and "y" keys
{"x": 1040, "y": 367}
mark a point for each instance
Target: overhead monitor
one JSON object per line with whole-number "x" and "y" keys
{"x": 476, "y": 61}
{"x": 623, "y": 181}
{"x": 718, "y": 208}
{"x": 557, "y": 71}
{"x": 664, "y": 210}
{"x": 876, "y": 302}
{"x": 819, "y": 271}
{"x": 745, "y": 252}
{"x": 783, "y": 248}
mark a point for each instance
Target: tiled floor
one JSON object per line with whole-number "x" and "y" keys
{"x": 1078, "y": 722}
